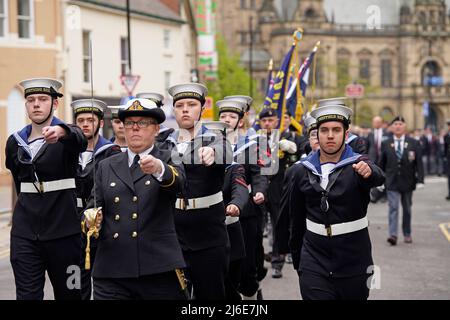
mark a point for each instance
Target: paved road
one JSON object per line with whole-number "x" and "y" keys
{"x": 408, "y": 271}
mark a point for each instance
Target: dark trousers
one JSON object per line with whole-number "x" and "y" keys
{"x": 232, "y": 281}
{"x": 249, "y": 275}
{"x": 206, "y": 270}
{"x": 277, "y": 259}
{"x": 86, "y": 281}
{"x": 60, "y": 258}
{"x": 160, "y": 286}
{"x": 394, "y": 198}
{"x": 317, "y": 287}
{"x": 260, "y": 269}
{"x": 448, "y": 176}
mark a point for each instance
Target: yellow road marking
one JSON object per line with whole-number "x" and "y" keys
{"x": 445, "y": 230}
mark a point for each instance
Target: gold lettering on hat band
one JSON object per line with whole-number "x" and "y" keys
{"x": 187, "y": 95}
{"x": 88, "y": 109}
{"x": 37, "y": 90}
{"x": 331, "y": 117}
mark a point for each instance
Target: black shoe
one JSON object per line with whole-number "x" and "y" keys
{"x": 447, "y": 197}
{"x": 259, "y": 295}
{"x": 261, "y": 274}
{"x": 276, "y": 273}
{"x": 392, "y": 240}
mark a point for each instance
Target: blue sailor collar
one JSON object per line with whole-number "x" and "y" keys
{"x": 22, "y": 136}
{"x": 312, "y": 162}
{"x": 102, "y": 145}
{"x": 351, "y": 137}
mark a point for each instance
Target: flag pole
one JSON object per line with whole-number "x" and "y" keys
{"x": 297, "y": 35}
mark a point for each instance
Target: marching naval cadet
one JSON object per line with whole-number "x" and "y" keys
{"x": 327, "y": 204}
{"x": 164, "y": 131}
{"x": 138, "y": 251}
{"x": 118, "y": 129}
{"x": 247, "y": 134}
{"x": 200, "y": 211}
{"x": 245, "y": 152}
{"x": 236, "y": 197}
{"x": 43, "y": 159}
{"x": 89, "y": 118}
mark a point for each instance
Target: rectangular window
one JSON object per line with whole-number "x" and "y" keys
{"x": 253, "y": 4}
{"x": 386, "y": 73}
{"x": 243, "y": 4}
{"x": 243, "y": 37}
{"x": 364, "y": 70}
{"x": 3, "y": 18}
{"x": 86, "y": 57}
{"x": 25, "y": 18}
{"x": 166, "y": 39}
{"x": 124, "y": 59}
{"x": 167, "y": 80}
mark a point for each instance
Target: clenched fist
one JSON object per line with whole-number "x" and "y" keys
{"x": 150, "y": 165}
{"x": 206, "y": 155}
{"x": 259, "y": 198}
{"x": 363, "y": 169}
{"x": 232, "y": 210}
{"x": 53, "y": 133}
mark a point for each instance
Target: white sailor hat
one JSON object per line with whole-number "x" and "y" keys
{"x": 310, "y": 123}
{"x": 142, "y": 108}
{"x": 332, "y": 112}
{"x": 246, "y": 99}
{"x": 115, "y": 111}
{"x": 215, "y": 125}
{"x": 155, "y": 97}
{"x": 189, "y": 91}
{"x": 42, "y": 86}
{"x": 88, "y": 106}
{"x": 228, "y": 105}
{"x": 342, "y": 101}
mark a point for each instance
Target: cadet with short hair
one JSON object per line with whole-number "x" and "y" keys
{"x": 89, "y": 118}
{"x": 118, "y": 129}
{"x": 327, "y": 203}
{"x": 200, "y": 211}
{"x": 43, "y": 159}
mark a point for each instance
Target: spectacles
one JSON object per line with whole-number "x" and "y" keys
{"x": 141, "y": 123}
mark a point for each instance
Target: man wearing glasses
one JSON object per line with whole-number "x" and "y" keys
{"x": 138, "y": 250}
{"x": 327, "y": 202}
{"x": 43, "y": 159}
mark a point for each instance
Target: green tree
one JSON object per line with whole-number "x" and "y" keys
{"x": 232, "y": 78}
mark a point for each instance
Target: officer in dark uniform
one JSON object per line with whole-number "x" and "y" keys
{"x": 89, "y": 118}
{"x": 247, "y": 152}
{"x": 401, "y": 160}
{"x": 164, "y": 131}
{"x": 280, "y": 151}
{"x": 43, "y": 159}
{"x": 138, "y": 250}
{"x": 118, "y": 129}
{"x": 200, "y": 211}
{"x": 327, "y": 203}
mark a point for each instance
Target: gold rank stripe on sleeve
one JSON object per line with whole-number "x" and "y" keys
{"x": 174, "y": 175}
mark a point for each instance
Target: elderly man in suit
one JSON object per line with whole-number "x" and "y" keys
{"x": 401, "y": 159}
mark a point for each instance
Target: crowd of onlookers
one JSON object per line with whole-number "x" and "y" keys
{"x": 432, "y": 144}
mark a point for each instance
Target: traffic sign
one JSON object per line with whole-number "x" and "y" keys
{"x": 129, "y": 82}
{"x": 354, "y": 91}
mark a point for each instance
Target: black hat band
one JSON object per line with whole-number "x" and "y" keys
{"x": 189, "y": 95}
{"x": 37, "y": 90}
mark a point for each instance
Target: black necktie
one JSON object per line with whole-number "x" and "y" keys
{"x": 134, "y": 169}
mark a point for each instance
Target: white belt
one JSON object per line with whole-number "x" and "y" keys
{"x": 337, "y": 229}
{"x": 231, "y": 220}
{"x": 199, "y": 203}
{"x": 79, "y": 203}
{"x": 49, "y": 186}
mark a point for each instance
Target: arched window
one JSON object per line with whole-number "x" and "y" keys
{"x": 431, "y": 74}
{"x": 310, "y": 13}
